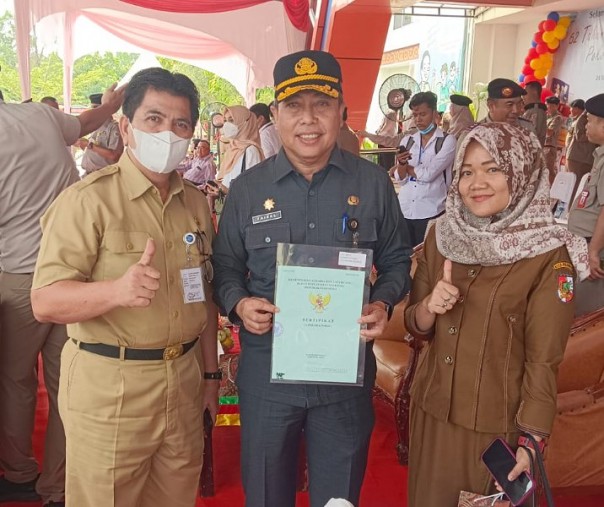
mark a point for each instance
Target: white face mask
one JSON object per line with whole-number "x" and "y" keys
{"x": 229, "y": 130}
{"x": 160, "y": 152}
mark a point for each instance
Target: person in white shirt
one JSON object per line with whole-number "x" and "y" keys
{"x": 269, "y": 137}
{"x": 424, "y": 165}
{"x": 240, "y": 132}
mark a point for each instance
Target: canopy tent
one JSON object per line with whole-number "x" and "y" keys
{"x": 240, "y": 45}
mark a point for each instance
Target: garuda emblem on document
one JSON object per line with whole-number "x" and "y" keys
{"x": 319, "y": 301}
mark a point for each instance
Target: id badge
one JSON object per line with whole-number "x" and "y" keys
{"x": 583, "y": 199}
{"x": 192, "y": 285}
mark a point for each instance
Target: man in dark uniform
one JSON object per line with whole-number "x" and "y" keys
{"x": 505, "y": 103}
{"x": 586, "y": 217}
{"x": 301, "y": 196}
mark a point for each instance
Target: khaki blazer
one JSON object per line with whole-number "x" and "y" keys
{"x": 490, "y": 364}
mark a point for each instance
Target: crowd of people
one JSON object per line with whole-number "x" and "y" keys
{"x": 117, "y": 280}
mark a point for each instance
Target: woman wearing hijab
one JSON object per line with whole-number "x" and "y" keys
{"x": 240, "y": 130}
{"x": 493, "y": 300}
{"x": 461, "y": 116}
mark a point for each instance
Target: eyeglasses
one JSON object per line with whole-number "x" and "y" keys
{"x": 204, "y": 246}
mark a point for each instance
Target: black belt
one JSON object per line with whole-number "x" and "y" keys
{"x": 171, "y": 352}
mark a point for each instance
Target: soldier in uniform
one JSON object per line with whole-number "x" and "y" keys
{"x": 124, "y": 262}
{"x": 579, "y": 151}
{"x": 505, "y": 103}
{"x": 535, "y": 110}
{"x": 104, "y": 146}
{"x": 303, "y": 196}
{"x": 586, "y": 217}
{"x": 554, "y": 125}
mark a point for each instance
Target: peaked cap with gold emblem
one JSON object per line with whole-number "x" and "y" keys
{"x": 502, "y": 88}
{"x": 307, "y": 70}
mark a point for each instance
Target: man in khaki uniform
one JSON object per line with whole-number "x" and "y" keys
{"x": 579, "y": 151}
{"x": 35, "y": 168}
{"x": 554, "y": 126}
{"x": 586, "y": 217}
{"x": 125, "y": 263}
{"x": 535, "y": 110}
{"x": 504, "y": 103}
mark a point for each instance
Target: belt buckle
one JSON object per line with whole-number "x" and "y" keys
{"x": 173, "y": 352}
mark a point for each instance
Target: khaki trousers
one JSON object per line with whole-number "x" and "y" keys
{"x": 551, "y": 155}
{"x": 134, "y": 429}
{"x": 22, "y": 339}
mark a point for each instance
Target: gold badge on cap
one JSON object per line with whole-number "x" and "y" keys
{"x": 353, "y": 200}
{"x": 269, "y": 204}
{"x": 305, "y": 66}
{"x": 507, "y": 91}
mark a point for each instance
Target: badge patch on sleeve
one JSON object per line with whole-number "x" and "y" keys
{"x": 566, "y": 288}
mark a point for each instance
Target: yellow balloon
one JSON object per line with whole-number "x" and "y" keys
{"x": 540, "y": 73}
{"x": 548, "y": 36}
{"x": 547, "y": 66}
{"x": 547, "y": 57}
{"x": 565, "y": 21}
{"x": 553, "y": 45}
{"x": 535, "y": 64}
{"x": 559, "y": 32}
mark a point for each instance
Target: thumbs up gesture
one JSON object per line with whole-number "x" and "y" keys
{"x": 136, "y": 288}
{"x": 444, "y": 295}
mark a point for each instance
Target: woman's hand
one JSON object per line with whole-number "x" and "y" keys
{"x": 444, "y": 295}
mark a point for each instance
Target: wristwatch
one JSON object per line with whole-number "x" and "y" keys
{"x": 527, "y": 442}
{"x": 212, "y": 375}
{"x": 387, "y": 307}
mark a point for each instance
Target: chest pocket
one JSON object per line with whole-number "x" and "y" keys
{"x": 367, "y": 232}
{"x": 266, "y": 236}
{"x": 261, "y": 245}
{"x": 122, "y": 250}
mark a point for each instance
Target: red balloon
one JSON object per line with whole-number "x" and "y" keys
{"x": 532, "y": 54}
{"x": 527, "y": 60}
{"x": 554, "y": 50}
{"x": 529, "y": 79}
{"x": 541, "y": 27}
{"x": 542, "y": 82}
{"x": 538, "y": 38}
{"x": 527, "y": 70}
{"x": 545, "y": 93}
{"x": 549, "y": 25}
{"x": 542, "y": 48}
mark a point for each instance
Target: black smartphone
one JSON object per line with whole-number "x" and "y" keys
{"x": 212, "y": 183}
{"x": 499, "y": 460}
{"x": 402, "y": 149}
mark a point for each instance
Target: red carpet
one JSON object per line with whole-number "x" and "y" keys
{"x": 385, "y": 481}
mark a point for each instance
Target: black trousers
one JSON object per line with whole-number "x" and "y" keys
{"x": 417, "y": 228}
{"x": 337, "y": 444}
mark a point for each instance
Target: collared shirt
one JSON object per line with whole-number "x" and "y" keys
{"x": 35, "y": 168}
{"x": 201, "y": 170}
{"x": 536, "y": 115}
{"x": 310, "y": 213}
{"x": 582, "y": 221}
{"x": 424, "y": 196}
{"x": 106, "y": 136}
{"x": 579, "y": 149}
{"x": 269, "y": 140}
{"x": 99, "y": 227}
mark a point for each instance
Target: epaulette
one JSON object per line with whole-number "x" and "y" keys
{"x": 97, "y": 175}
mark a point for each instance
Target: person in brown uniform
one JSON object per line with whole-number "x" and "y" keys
{"x": 554, "y": 126}
{"x": 124, "y": 262}
{"x": 535, "y": 111}
{"x": 579, "y": 151}
{"x": 586, "y": 216}
{"x": 493, "y": 299}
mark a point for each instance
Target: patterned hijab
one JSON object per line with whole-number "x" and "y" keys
{"x": 461, "y": 119}
{"x": 526, "y": 227}
{"x": 247, "y": 136}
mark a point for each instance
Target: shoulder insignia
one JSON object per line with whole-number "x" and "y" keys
{"x": 97, "y": 175}
{"x": 564, "y": 265}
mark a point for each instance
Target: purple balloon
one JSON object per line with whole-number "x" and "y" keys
{"x": 521, "y": 78}
{"x": 554, "y": 16}
{"x": 534, "y": 44}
